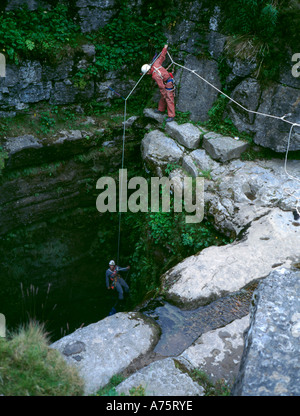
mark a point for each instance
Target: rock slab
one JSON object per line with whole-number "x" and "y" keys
{"x": 270, "y": 364}
{"x": 186, "y": 134}
{"x": 223, "y": 148}
{"x": 218, "y": 352}
{"x": 217, "y": 270}
{"x": 158, "y": 150}
{"x": 162, "y": 378}
{"x": 108, "y": 347}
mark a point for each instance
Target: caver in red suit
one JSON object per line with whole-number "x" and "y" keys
{"x": 165, "y": 84}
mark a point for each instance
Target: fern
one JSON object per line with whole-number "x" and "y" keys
{"x": 252, "y": 17}
{"x": 267, "y": 21}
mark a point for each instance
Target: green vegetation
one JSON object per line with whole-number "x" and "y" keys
{"x": 159, "y": 240}
{"x": 218, "y": 388}
{"x": 263, "y": 31}
{"x": 30, "y": 368}
{"x": 110, "y": 388}
{"x": 36, "y": 34}
{"x": 131, "y": 38}
{"x": 255, "y": 17}
{"x": 3, "y": 156}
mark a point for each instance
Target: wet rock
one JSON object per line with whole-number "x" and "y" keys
{"x": 270, "y": 362}
{"x": 74, "y": 348}
{"x": 110, "y": 346}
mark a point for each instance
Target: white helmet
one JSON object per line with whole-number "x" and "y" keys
{"x": 112, "y": 263}
{"x": 145, "y": 68}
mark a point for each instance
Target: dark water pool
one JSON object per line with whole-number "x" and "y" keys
{"x": 180, "y": 328}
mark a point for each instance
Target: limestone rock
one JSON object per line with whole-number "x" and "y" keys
{"x": 223, "y": 148}
{"x": 149, "y": 112}
{"x": 162, "y": 378}
{"x": 218, "y": 270}
{"x": 63, "y": 93}
{"x": 186, "y": 134}
{"x": 195, "y": 95}
{"x": 203, "y": 161}
{"x": 270, "y": 362}
{"x": 218, "y": 353}
{"x": 94, "y": 14}
{"x": 108, "y": 347}
{"x": 21, "y": 148}
{"x": 278, "y": 100}
{"x": 247, "y": 93}
{"x": 66, "y": 135}
{"x": 158, "y": 150}
{"x": 246, "y": 190}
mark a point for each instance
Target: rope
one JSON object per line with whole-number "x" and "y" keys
{"x": 293, "y": 124}
{"x": 193, "y": 71}
{"x": 288, "y": 174}
{"x": 123, "y": 149}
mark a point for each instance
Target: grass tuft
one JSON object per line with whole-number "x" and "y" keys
{"x": 29, "y": 367}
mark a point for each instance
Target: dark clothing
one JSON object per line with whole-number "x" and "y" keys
{"x": 114, "y": 281}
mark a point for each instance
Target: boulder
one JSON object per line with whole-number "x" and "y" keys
{"x": 108, "y": 347}
{"x": 186, "y": 134}
{"x": 223, "y": 148}
{"x": 158, "y": 150}
{"x": 270, "y": 362}
{"x": 218, "y": 270}
{"x": 162, "y": 378}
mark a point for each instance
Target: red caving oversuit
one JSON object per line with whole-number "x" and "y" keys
{"x": 161, "y": 75}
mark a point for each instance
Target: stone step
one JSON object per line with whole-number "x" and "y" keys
{"x": 186, "y": 134}
{"x": 219, "y": 147}
{"x": 223, "y": 148}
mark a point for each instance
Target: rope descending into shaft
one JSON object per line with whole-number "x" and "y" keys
{"x": 123, "y": 151}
